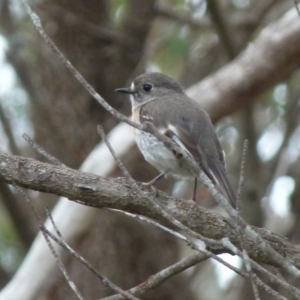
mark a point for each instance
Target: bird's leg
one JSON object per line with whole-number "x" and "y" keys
{"x": 195, "y": 190}
{"x": 153, "y": 181}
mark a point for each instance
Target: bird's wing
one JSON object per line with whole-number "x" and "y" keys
{"x": 190, "y": 127}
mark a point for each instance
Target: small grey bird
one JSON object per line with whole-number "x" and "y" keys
{"x": 159, "y": 99}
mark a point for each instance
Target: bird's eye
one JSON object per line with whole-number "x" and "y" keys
{"x": 147, "y": 87}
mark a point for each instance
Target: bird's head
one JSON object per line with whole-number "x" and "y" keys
{"x": 149, "y": 86}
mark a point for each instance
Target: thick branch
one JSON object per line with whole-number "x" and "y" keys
{"x": 270, "y": 59}
{"x": 96, "y": 191}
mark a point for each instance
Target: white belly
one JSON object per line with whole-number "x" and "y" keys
{"x": 159, "y": 156}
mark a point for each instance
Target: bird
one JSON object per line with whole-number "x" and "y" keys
{"x": 161, "y": 100}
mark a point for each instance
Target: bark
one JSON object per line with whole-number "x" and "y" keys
{"x": 270, "y": 59}
{"x": 95, "y": 191}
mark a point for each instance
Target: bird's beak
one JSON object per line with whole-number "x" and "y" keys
{"x": 125, "y": 90}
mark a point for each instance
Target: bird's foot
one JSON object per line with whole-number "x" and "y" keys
{"x": 154, "y": 180}
{"x": 152, "y": 186}
{"x": 151, "y": 183}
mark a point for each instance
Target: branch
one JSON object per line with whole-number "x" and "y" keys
{"x": 223, "y": 28}
{"x": 163, "y": 275}
{"x": 249, "y": 19}
{"x": 74, "y": 20}
{"x": 76, "y": 222}
{"x": 60, "y": 241}
{"x": 268, "y": 60}
{"x": 96, "y": 191}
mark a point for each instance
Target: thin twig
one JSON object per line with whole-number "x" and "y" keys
{"x": 60, "y": 241}
{"x": 275, "y": 278}
{"x": 239, "y": 229}
{"x": 151, "y": 222}
{"x": 148, "y": 127}
{"x": 222, "y": 27}
{"x": 106, "y": 282}
{"x": 158, "y": 207}
{"x": 61, "y": 265}
{"x": 225, "y": 242}
{"x": 268, "y": 289}
{"x": 163, "y": 275}
{"x": 37, "y": 23}
{"x": 277, "y": 258}
{"x": 58, "y": 260}
{"x": 116, "y": 158}
{"x": 258, "y": 267}
{"x": 251, "y": 274}
{"x": 242, "y": 176}
{"x": 42, "y": 151}
{"x": 254, "y": 277}
{"x": 255, "y": 265}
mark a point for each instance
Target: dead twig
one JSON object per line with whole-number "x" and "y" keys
{"x": 163, "y": 275}
{"x": 58, "y": 260}
{"x": 245, "y": 255}
{"x": 42, "y": 151}
{"x": 60, "y": 241}
{"x": 104, "y": 280}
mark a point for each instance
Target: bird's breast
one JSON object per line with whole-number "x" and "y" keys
{"x": 159, "y": 156}
{"x": 135, "y": 117}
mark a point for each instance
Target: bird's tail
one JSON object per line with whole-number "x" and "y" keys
{"x": 222, "y": 182}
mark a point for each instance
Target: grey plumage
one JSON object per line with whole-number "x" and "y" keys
{"x": 181, "y": 119}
